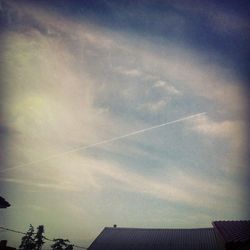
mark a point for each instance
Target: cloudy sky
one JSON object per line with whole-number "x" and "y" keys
{"x": 77, "y": 74}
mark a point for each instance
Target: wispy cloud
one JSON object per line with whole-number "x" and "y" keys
{"x": 154, "y": 107}
{"x": 233, "y": 130}
{"x": 224, "y": 128}
{"x": 130, "y": 72}
{"x": 179, "y": 186}
{"x": 170, "y": 89}
{"x": 78, "y": 84}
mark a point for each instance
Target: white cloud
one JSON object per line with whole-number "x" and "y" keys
{"x": 93, "y": 39}
{"x": 57, "y": 110}
{"x": 69, "y": 117}
{"x": 234, "y": 130}
{"x": 170, "y": 89}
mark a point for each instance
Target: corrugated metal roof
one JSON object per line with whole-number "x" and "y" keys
{"x": 233, "y": 231}
{"x": 155, "y": 239}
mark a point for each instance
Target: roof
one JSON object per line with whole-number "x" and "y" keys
{"x": 155, "y": 239}
{"x": 234, "y": 234}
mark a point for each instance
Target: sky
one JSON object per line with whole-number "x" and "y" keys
{"x": 85, "y": 88}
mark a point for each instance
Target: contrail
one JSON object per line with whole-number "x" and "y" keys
{"x": 102, "y": 142}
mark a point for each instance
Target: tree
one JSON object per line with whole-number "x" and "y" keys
{"x": 39, "y": 237}
{"x": 69, "y": 247}
{"x": 61, "y": 244}
{"x": 35, "y": 241}
{"x": 28, "y": 241}
{"x": 4, "y": 203}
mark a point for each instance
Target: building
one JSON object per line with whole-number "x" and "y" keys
{"x": 3, "y": 246}
{"x": 224, "y": 235}
{"x": 233, "y": 234}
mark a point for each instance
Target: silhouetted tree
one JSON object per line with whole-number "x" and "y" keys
{"x": 35, "y": 241}
{"x": 69, "y": 247}
{"x": 39, "y": 237}
{"x": 28, "y": 241}
{"x": 61, "y": 244}
{"x": 4, "y": 203}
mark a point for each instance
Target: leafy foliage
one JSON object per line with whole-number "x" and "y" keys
{"x": 39, "y": 237}
{"x": 28, "y": 242}
{"x": 32, "y": 240}
{"x": 35, "y": 241}
{"x": 61, "y": 244}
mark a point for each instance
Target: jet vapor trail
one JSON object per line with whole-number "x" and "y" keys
{"x": 102, "y": 142}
